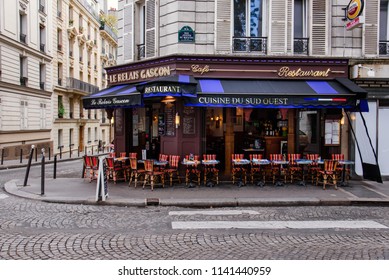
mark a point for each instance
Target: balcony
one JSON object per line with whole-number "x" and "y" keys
{"x": 250, "y": 44}
{"x": 141, "y": 51}
{"x": 23, "y": 81}
{"x": 108, "y": 30}
{"x": 73, "y": 83}
{"x": 301, "y": 46}
{"x": 23, "y": 38}
{"x": 42, "y": 85}
{"x": 384, "y": 48}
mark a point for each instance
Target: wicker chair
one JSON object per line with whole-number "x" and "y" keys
{"x": 255, "y": 169}
{"x": 172, "y": 171}
{"x": 136, "y": 173}
{"x": 238, "y": 169}
{"x": 327, "y": 175}
{"x": 294, "y": 171}
{"x": 210, "y": 170}
{"x": 152, "y": 176}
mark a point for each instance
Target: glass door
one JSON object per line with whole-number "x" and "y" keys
{"x": 308, "y": 135}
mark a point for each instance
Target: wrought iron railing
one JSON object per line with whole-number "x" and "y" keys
{"x": 384, "y": 48}
{"x": 23, "y": 38}
{"x": 73, "y": 83}
{"x": 250, "y": 44}
{"x": 301, "y": 45}
{"x": 42, "y": 47}
{"x": 141, "y": 51}
{"x": 108, "y": 29}
{"x": 23, "y": 81}
{"x": 42, "y": 85}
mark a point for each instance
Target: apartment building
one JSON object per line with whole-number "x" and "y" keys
{"x": 262, "y": 40}
{"x": 61, "y": 48}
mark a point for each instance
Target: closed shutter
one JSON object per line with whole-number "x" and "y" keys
{"x": 370, "y": 43}
{"x": 150, "y": 28}
{"x": 289, "y": 32}
{"x": 319, "y": 33}
{"x": 223, "y": 36}
{"x": 278, "y": 26}
{"x": 128, "y": 51}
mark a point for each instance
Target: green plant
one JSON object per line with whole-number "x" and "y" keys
{"x": 61, "y": 110}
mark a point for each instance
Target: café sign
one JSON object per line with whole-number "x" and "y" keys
{"x": 147, "y": 73}
{"x": 243, "y": 101}
{"x": 163, "y": 89}
{"x": 287, "y": 72}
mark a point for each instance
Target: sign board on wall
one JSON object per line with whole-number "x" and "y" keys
{"x": 354, "y": 11}
{"x": 186, "y": 35}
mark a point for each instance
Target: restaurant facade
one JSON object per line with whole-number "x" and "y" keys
{"x": 225, "y": 105}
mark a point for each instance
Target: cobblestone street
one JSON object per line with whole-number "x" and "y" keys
{"x": 38, "y": 230}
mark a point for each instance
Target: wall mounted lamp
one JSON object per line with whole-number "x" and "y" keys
{"x": 177, "y": 120}
{"x": 370, "y": 71}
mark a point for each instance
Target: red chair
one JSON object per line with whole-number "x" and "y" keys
{"x": 172, "y": 170}
{"x": 95, "y": 167}
{"x": 163, "y": 157}
{"x": 89, "y": 171}
{"x": 115, "y": 170}
{"x": 340, "y": 167}
{"x": 255, "y": 169}
{"x": 210, "y": 169}
{"x": 122, "y": 154}
{"x": 276, "y": 170}
{"x": 192, "y": 170}
{"x": 294, "y": 171}
{"x": 237, "y": 168}
{"x": 133, "y": 155}
{"x": 151, "y": 176}
{"x": 313, "y": 167}
{"x": 327, "y": 175}
{"x": 135, "y": 172}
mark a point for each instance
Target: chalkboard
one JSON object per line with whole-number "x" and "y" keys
{"x": 188, "y": 121}
{"x": 170, "y": 115}
{"x": 161, "y": 124}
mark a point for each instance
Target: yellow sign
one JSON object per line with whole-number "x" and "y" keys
{"x": 200, "y": 69}
{"x": 148, "y": 73}
{"x": 354, "y": 9}
{"x": 286, "y": 72}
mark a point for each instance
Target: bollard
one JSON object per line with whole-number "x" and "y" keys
{"x": 55, "y": 167}
{"x": 21, "y": 155}
{"x": 43, "y": 172}
{"x": 70, "y": 151}
{"x": 29, "y": 165}
{"x": 78, "y": 151}
{"x": 49, "y": 153}
{"x": 36, "y": 154}
{"x": 2, "y": 156}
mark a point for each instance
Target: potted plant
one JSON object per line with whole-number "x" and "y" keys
{"x": 61, "y": 110}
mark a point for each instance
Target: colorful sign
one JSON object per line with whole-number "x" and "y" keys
{"x": 354, "y": 14}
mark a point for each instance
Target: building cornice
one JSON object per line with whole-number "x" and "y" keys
{"x": 25, "y": 90}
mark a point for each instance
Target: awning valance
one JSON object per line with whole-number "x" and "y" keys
{"x": 120, "y": 96}
{"x": 338, "y": 93}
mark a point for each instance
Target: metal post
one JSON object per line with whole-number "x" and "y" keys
{"x": 43, "y": 172}
{"x": 49, "y": 153}
{"x": 55, "y": 167}
{"x": 36, "y": 154}
{"x": 28, "y": 165}
{"x": 60, "y": 152}
{"x": 21, "y": 155}
{"x": 2, "y": 156}
{"x": 85, "y": 153}
{"x": 70, "y": 151}
{"x": 78, "y": 151}
{"x": 83, "y": 166}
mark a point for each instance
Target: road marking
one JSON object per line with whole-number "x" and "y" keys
{"x": 213, "y": 212}
{"x": 276, "y": 224}
{"x": 3, "y": 196}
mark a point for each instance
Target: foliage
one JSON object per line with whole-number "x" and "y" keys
{"x": 61, "y": 110}
{"x": 109, "y": 20}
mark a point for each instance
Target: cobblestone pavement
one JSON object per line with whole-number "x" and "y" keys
{"x": 38, "y": 230}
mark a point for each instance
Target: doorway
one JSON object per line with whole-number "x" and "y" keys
{"x": 308, "y": 136}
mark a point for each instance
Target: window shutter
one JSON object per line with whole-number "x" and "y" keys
{"x": 127, "y": 49}
{"x": 289, "y": 40}
{"x": 278, "y": 26}
{"x": 319, "y": 31}
{"x": 150, "y": 28}
{"x": 370, "y": 29}
{"x": 223, "y": 26}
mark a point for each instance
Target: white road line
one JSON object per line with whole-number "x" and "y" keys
{"x": 276, "y": 224}
{"x": 213, "y": 212}
{"x": 3, "y": 196}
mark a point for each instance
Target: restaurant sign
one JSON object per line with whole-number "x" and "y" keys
{"x": 162, "y": 89}
{"x": 148, "y": 73}
{"x": 243, "y": 101}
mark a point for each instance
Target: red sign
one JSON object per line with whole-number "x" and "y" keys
{"x": 354, "y": 9}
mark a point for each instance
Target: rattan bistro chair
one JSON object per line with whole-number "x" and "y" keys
{"x": 172, "y": 171}
{"x": 136, "y": 173}
{"x": 327, "y": 175}
{"x": 151, "y": 176}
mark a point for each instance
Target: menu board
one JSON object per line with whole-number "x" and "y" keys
{"x": 161, "y": 124}
{"x": 188, "y": 121}
{"x": 332, "y": 133}
{"x": 119, "y": 121}
{"x": 170, "y": 116}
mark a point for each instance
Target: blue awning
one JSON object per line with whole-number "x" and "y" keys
{"x": 336, "y": 93}
{"x": 120, "y": 96}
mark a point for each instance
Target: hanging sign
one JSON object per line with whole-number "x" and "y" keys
{"x": 354, "y": 11}
{"x": 186, "y": 35}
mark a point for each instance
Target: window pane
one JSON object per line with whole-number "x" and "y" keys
{"x": 384, "y": 21}
{"x": 240, "y": 18}
{"x": 256, "y": 18}
{"x": 298, "y": 19}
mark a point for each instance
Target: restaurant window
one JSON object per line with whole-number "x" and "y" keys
{"x": 249, "y": 25}
{"x": 300, "y": 42}
{"x": 384, "y": 30}
{"x": 43, "y": 115}
{"x": 23, "y": 114}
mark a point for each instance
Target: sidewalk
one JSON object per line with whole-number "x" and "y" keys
{"x": 80, "y": 191}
